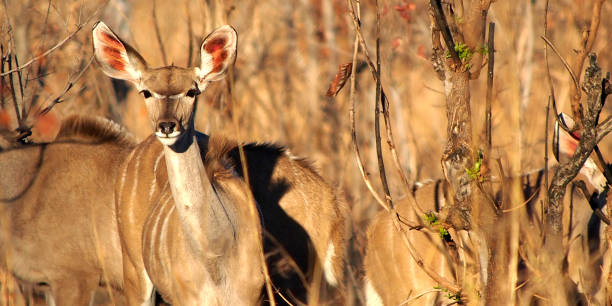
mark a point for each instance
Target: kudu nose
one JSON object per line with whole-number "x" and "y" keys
{"x": 166, "y": 127}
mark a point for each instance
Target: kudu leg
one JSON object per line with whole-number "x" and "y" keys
{"x": 137, "y": 287}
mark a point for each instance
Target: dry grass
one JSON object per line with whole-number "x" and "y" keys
{"x": 288, "y": 52}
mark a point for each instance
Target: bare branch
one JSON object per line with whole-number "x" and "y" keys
{"x": 2, "y": 59}
{"x": 490, "y": 71}
{"x": 582, "y": 187}
{"x": 364, "y": 175}
{"x": 443, "y": 27}
{"x": 578, "y": 61}
{"x": 189, "y": 34}
{"x": 592, "y": 86}
{"x": 604, "y": 128}
{"x": 377, "y": 102}
{"x": 253, "y": 209}
{"x": 386, "y": 205}
{"x": 451, "y": 286}
{"x": 69, "y": 85}
{"x": 385, "y": 102}
{"x": 44, "y": 54}
{"x": 567, "y": 66}
{"x": 13, "y": 93}
{"x": 158, "y": 34}
{"x": 550, "y": 98}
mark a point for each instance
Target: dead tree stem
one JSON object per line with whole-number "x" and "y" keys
{"x": 364, "y": 175}
{"x": 158, "y": 34}
{"x": 588, "y": 39}
{"x": 443, "y": 27}
{"x": 377, "y": 102}
{"x": 490, "y": 71}
{"x": 592, "y": 87}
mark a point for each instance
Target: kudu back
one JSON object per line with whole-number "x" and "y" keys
{"x": 58, "y": 225}
{"x": 185, "y": 221}
{"x": 388, "y": 261}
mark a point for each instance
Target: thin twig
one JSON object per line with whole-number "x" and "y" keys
{"x": 582, "y": 187}
{"x": 546, "y": 200}
{"x": 12, "y": 85}
{"x": 567, "y": 171}
{"x": 551, "y": 97}
{"x": 490, "y": 71}
{"x": 377, "y": 102}
{"x": 69, "y": 85}
{"x": 567, "y": 66}
{"x": 1, "y": 78}
{"x": 588, "y": 39}
{"x": 385, "y": 102}
{"x": 443, "y": 27}
{"x": 254, "y": 213}
{"x": 391, "y": 142}
{"x": 20, "y": 79}
{"x": 522, "y": 204}
{"x": 604, "y": 129}
{"x": 451, "y": 286}
{"x": 158, "y": 34}
{"x": 36, "y": 58}
{"x": 414, "y": 298}
{"x": 43, "y": 41}
{"x": 364, "y": 175}
{"x": 189, "y": 34}
{"x": 283, "y": 251}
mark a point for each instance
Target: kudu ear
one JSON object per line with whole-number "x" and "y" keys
{"x": 218, "y": 51}
{"x": 565, "y": 144}
{"x": 118, "y": 59}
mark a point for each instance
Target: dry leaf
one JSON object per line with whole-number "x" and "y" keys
{"x": 344, "y": 72}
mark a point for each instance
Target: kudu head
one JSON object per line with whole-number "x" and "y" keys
{"x": 169, "y": 92}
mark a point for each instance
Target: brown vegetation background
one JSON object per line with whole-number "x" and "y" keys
{"x": 288, "y": 52}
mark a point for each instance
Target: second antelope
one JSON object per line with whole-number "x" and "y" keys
{"x": 388, "y": 260}
{"x": 58, "y": 227}
{"x": 183, "y": 208}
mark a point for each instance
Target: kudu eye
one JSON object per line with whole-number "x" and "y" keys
{"x": 193, "y": 92}
{"x": 147, "y": 94}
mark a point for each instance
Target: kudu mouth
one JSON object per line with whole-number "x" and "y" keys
{"x": 168, "y": 131}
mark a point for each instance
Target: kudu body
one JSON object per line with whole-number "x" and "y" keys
{"x": 184, "y": 217}
{"x": 388, "y": 261}
{"x": 57, "y": 218}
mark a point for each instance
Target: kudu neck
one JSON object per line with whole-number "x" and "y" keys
{"x": 201, "y": 209}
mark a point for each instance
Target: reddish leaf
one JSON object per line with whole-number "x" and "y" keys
{"x": 405, "y": 9}
{"x": 421, "y": 52}
{"x": 396, "y": 43}
{"x": 47, "y": 125}
{"x": 344, "y": 72}
{"x": 5, "y": 119}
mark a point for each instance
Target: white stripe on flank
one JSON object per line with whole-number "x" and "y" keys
{"x": 136, "y": 171}
{"x": 155, "y": 232}
{"x": 149, "y": 294}
{"x": 372, "y": 297}
{"x": 124, "y": 174}
{"x": 154, "y": 183}
{"x": 161, "y": 154}
{"x": 328, "y": 265}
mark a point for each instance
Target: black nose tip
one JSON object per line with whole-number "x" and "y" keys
{"x": 167, "y": 127}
